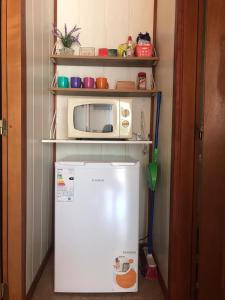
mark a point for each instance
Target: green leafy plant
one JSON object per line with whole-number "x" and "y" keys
{"x": 67, "y": 38}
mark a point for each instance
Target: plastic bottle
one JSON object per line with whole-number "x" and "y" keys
{"x": 130, "y": 46}
{"x": 141, "y": 83}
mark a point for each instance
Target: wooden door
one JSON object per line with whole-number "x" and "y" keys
{"x": 0, "y": 168}
{"x": 3, "y": 160}
{"x": 198, "y": 172}
{"x": 211, "y": 268}
{"x": 13, "y": 146}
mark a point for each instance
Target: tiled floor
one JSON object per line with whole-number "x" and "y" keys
{"x": 148, "y": 290}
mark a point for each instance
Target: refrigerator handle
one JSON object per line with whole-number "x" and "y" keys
{"x": 123, "y": 164}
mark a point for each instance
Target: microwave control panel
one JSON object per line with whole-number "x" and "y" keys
{"x": 126, "y": 119}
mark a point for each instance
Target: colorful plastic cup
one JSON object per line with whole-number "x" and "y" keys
{"x": 88, "y": 82}
{"x": 63, "y": 82}
{"x": 102, "y": 83}
{"x": 75, "y": 82}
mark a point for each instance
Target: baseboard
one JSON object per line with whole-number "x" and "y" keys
{"x": 161, "y": 280}
{"x": 39, "y": 273}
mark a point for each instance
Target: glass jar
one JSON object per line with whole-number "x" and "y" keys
{"x": 141, "y": 81}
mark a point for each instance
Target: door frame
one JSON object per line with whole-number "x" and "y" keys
{"x": 185, "y": 135}
{"x": 183, "y": 149}
{"x": 211, "y": 204}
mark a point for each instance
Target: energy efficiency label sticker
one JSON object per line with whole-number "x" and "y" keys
{"x": 65, "y": 185}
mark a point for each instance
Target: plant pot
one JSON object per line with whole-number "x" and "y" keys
{"x": 66, "y": 51}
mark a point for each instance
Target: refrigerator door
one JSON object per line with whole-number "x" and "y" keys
{"x": 96, "y": 228}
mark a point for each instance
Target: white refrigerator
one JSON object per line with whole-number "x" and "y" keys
{"x": 96, "y": 225}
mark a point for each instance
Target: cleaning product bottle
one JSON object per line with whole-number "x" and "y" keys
{"x": 130, "y": 46}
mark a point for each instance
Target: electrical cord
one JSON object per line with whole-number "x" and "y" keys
{"x": 144, "y": 238}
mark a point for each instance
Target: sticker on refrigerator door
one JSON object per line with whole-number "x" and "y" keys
{"x": 65, "y": 185}
{"x": 125, "y": 273}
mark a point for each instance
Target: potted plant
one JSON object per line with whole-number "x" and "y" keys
{"x": 68, "y": 39}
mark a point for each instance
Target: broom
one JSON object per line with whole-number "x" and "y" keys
{"x": 152, "y": 180}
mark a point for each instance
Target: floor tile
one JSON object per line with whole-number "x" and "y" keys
{"x": 148, "y": 290}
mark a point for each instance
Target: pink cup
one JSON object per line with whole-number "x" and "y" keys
{"x": 88, "y": 82}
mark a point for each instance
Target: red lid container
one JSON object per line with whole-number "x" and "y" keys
{"x": 141, "y": 74}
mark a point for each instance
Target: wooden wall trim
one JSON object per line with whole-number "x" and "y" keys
{"x": 155, "y": 23}
{"x": 54, "y": 146}
{"x": 23, "y": 142}
{"x": 183, "y": 150}
{"x": 16, "y": 102}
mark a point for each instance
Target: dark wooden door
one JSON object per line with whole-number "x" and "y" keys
{"x": 1, "y": 155}
{"x": 211, "y": 268}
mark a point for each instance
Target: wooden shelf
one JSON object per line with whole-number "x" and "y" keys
{"x": 115, "y": 142}
{"x": 102, "y": 92}
{"x": 107, "y": 61}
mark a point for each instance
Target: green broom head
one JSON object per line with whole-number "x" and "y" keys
{"x": 152, "y": 171}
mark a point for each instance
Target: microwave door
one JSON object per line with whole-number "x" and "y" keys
{"x": 92, "y": 119}
{"x": 101, "y": 119}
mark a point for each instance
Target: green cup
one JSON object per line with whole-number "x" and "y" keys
{"x": 63, "y": 82}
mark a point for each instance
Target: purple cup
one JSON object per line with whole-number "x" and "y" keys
{"x": 88, "y": 82}
{"x": 75, "y": 82}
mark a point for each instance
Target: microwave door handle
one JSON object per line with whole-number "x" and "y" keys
{"x": 117, "y": 121}
{"x": 74, "y": 118}
{"x": 87, "y": 116}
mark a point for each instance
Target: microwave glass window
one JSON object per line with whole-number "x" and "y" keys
{"x": 93, "y": 118}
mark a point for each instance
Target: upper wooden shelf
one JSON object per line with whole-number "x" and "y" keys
{"x": 106, "y": 61}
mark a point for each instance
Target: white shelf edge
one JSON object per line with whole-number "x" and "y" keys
{"x": 51, "y": 141}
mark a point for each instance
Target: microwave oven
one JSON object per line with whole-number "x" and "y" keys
{"x": 99, "y": 118}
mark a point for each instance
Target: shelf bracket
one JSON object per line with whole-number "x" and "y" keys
{"x": 145, "y": 149}
{"x": 155, "y": 63}
{"x": 53, "y": 60}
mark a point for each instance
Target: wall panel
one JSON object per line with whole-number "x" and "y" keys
{"x": 37, "y": 56}
{"x": 107, "y": 23}
{"x": 164, "y": 78}
{"x": 30, "y": 146}
{"x": 39, "y": 18}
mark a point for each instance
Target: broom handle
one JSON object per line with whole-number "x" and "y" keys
{"x": 159, "y": 96}
{"x": 150, "y": 222}
{"x": 152, "y": 197}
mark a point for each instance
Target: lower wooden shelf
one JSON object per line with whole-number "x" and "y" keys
{"x": 102, "y": 92}
{"x": 120, "y": 142}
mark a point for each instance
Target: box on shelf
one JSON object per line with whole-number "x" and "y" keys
{"x": 125, "y": 85}
{"x": 112, "y": 52}
{"x": 87, "y": 51}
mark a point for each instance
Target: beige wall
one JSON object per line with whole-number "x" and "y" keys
{"x": 107, "y": 23}
{"x": 164, "y": 79}
{"x": 39, "y": 157}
